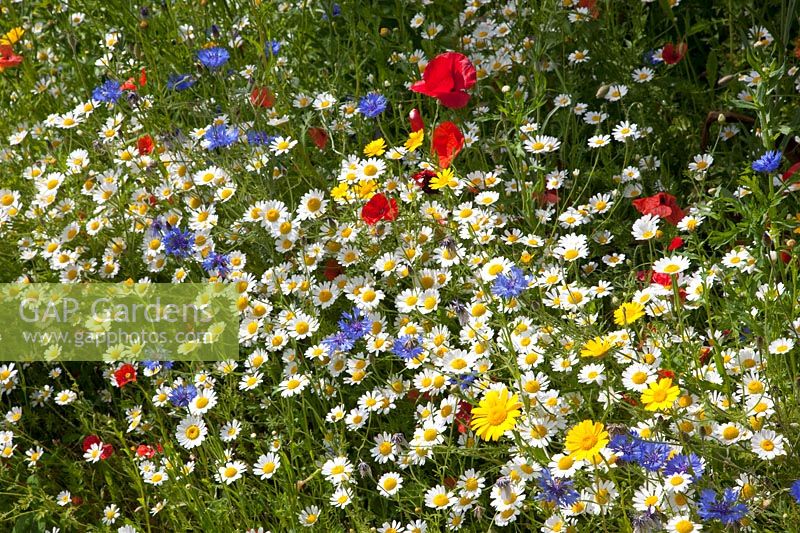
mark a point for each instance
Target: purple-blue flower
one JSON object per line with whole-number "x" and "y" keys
{"x": 769, "y": 162}
{"x": 406, "y": 348}
{"x": 794, "y": 490}
{"x": 510, "y": 285}
{"x": 217, "y": 264}
{"x": 178, "y": 243}
{"x": 272, "y": 47}
{"x": 107, "y": 93}
{"x": 556, "y": 490}
{"x": 372, "y": 105}
{"x": 213, "y": 57}
{"x": 726, "y": 508}
{"x": 181, "y": 395}
{"x": 220, "y": 136}
{"x": 179, "y": 82}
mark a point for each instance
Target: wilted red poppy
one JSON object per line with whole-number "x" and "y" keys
{"x": 415, "y": 117}
{"x": 379, "y": 208}
{"x": 262, "y": 97}
{"x": 7, "y": 57}
{"x": 673, "y": 53}
{"x": 447, "y": 78}
{"x": 144, "y": 144}
{"x": 332, "y": 269}
{"x": 662, "y": 205}
{"x": 423, "y": 180}
{"x": 665, "y": 373}
{"x": 447, "y": 143}
{"x": 125, "y": 374}
{"x": 319, "y": 136}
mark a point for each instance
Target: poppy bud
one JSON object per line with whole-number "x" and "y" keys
{"x": 416, "y": 120}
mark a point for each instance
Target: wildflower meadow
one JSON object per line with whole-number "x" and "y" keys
{"x": 497, "y": 265}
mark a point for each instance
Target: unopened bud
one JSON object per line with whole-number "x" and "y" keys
{"x": 721, "y": 118}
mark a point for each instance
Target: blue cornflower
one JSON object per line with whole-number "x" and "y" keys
{"x": 685, "y": 464}
{"x": 510, "y": 285}
{"x": 406, "y": 347}
{"x": 725, "y": 509}
{"x": 372, "y": 105}
{"x": 108, "y": 93}
{"x": 178, "y": 242}
{"x": 181, "y": 395}
{"x": 625, "y": 446}
{"x": 213, "y": 57}
{"x": 256, "y": 137}
{"x": 794, "y": 490}
{"x": 354, "y": 324}
{"x": 219, "y": 264}
{"x": 653, "y": 455}
{"x": 179, "y": 82}
{"x": 272, "y": 47}
{"x": 769, "y": 162}
{"x": 336, "y": 10}
{"x": 464, "y": 381}
{"x": 220, "y": 136}
{"x": 339, "y": 342}
{"x": 556, "y": 490}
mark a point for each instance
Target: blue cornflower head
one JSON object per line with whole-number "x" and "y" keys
{"x": 769, "y": 162}
{"x": 510, "y": 285}
{"x": 354, "y": 324}
{"x": 181, "y": 395}
{"x": 213, "y": 57}
{"x": 725, "y": 508}
{"x": 406, "y": 348}
{"x": 625, "y": 446}
{"x": 178, "y": 243}
{"x": 556, "y": 490}
{"x": 107, "y": 93}
{"x": 272, "y": 47}
{"x": 220, "y": 136}
{"x": 464, "y": 381}
{"x": 218, "y": 264}
{"x": 794, "y": 490}
{"x": 339, "y": 342}
{"x": 256, "y": 138}
{"x": 653, "y": 455}
{"x": 179, "y": 82}
{"x": 685, "y": 464}
{"x": 372, "y": 105}
{"x": 336, "y": 10}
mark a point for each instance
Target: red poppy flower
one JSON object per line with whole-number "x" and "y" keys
{"x": 547, "y": 197}
{"x": 145, "y": 144}
{"x": 89, "y": 441}
{"x": 144, "y": 450}
{"x": 447, "y": 143}
{"x": 662, "y": 205}
{"x": 791, "y": 172}
{"x": 415, "y": 117}
{"x": 262, "y": 97}
{"x": 108, "y": 451}
{"x": 142, "y": 78}
{"x": 664, "y": 373}
{"x": 591, "y": 5}
{"x": 379, "y": 208}
{"x": 319, "y": 136}
{"x": 129, "y": 85}
{"x": 125, "y": 374}
{"x": 674, "y": 244}
{"x": 673, "y": 53}
{"x": 332, "y": 270}
{"x": 7, "y": 57}
{"x": 447, "y": 78}
{"x": 423, "y": 180}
